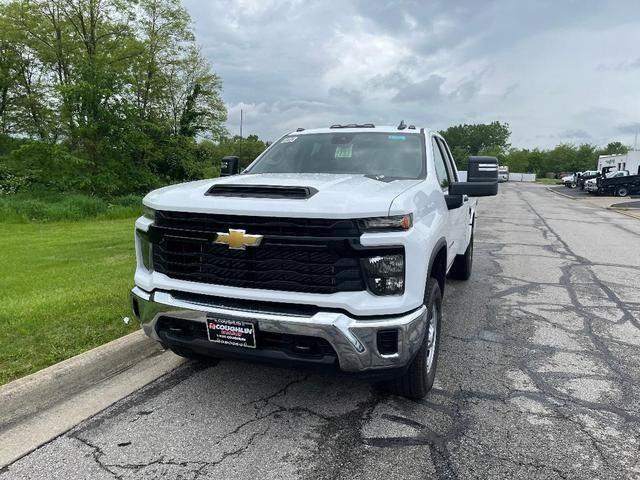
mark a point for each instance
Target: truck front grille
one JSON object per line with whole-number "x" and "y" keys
{"x": 295, "y": 255}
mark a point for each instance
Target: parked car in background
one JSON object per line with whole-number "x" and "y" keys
{"x": 503, "y": 173}
{"x": 620, "y": 184}
{"x": 570, "y": 181}
{"x": 602, "y": 185}
{"x": 586, "y": 175}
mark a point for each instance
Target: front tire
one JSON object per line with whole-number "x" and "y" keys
{"x": 419, "y": 377}
{"x": 462, "y": 265}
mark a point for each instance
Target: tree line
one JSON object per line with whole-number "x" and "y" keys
{"x": 105, "y": 97}
{"x": 493, "y": 139}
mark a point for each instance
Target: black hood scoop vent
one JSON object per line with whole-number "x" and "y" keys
{"x": 261, "y": 191}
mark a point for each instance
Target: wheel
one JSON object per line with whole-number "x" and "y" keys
{"x": 572, "y": 185}
{"x": 418, "y": 379}
{"x": 622, "y": 191}
{"x": 461, "y": 268}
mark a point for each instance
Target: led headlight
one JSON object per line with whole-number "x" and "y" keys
{"x": 148, "y": 212}
{"x": 385, "y": 224}
{"x": 385, "y": 274}
{"x": 146, "y": 250}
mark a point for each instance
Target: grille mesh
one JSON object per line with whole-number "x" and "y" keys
{"x": 296, "y": 254}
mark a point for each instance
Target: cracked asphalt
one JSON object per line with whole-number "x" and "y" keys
{"x": 538, "y": 377}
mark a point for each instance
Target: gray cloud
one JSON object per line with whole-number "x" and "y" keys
{"x": 574, "y": 135}
{"x": 629, "y": 128}
{"x": 536, "y": 65}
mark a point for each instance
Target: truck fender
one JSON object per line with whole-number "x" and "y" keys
{"x": 440, "y": 275}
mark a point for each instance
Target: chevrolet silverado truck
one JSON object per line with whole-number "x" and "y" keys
{"x": 331, "y": 249}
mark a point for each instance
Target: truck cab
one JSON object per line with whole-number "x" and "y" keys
{"x": 331, "y": 249}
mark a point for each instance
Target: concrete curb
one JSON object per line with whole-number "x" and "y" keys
{"x": 36, "y": 392}
{"x": 561, "y": 194}
{"x": 39, "y": 407}
{"x": 629, "y": 212}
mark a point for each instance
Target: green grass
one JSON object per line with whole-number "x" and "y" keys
{"x": 55, "y": 207}
{"x": 547, "y": 181}
{"x": 63, "y": 290}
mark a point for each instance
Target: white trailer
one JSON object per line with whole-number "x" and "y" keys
{"x": 626, "y": 161}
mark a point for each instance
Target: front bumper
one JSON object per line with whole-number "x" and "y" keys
{"x": 354, "y": 340}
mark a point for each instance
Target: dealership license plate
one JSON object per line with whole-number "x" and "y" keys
{"x": 231, "y": 332}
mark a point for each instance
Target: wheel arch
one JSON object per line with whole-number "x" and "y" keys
{"x": 438, "y": 263}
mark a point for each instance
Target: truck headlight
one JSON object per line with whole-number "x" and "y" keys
{"x": 385, "y": 274}
{"x": 148, "y": 212}
{"x": 386, "y": 224}
{"x": 146, "y": 249}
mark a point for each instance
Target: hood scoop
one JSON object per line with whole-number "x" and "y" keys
{"x": 261, "y": 191}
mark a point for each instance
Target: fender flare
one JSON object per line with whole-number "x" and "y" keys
{"x": 441, "y": 243}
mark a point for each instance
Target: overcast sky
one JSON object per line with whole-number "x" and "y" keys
{"x": 555, "y": 70}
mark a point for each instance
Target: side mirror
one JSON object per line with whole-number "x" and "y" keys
{"x": 229, "y": 166}
{"x": 482, "y": 178}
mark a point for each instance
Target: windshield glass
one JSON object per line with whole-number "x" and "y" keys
{"x": 398, "y": 155}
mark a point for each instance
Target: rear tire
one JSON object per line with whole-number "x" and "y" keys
{"x": 623, "y": 191}
{"x": 419, "y": 377}
{"x": 462, "y": 265}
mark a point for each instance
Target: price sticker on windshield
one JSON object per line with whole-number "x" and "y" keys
{"x": 344, "y": 151}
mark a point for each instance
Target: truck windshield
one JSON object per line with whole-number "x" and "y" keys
{"x": 397, "y": 155}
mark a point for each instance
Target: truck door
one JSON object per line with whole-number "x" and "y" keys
{"x": 455, "y": 220}
{"x": 462, "y": 214}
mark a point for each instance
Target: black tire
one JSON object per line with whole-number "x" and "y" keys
{"x": 419, "y": 377}
{"x": 572, "y": 185}
{"x": 462, "y": 265}
{"x": 622, "y": 191}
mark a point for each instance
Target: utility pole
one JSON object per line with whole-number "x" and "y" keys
{"x": 241, "y": 138}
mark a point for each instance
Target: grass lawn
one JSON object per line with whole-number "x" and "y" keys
{"x": 63, "y": 290}
{"x": 547, "y": 181}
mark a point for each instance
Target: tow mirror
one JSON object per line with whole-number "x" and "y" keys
{"x": 229, "y": 166}
{"x": 482, "y": 178}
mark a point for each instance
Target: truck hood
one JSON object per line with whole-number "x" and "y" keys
{"x": 338, "y": 196}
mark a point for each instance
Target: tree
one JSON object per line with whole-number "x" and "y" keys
{"x": 120, "y": 84}
{"x": 613, "y": 148}
{"x": 470, "y": 139}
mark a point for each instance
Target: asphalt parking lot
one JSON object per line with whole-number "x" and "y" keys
{"x": 539, "y": 377}
{"x": 577, "y": 193}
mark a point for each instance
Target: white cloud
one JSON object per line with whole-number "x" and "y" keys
{"x": 555, "y": 70}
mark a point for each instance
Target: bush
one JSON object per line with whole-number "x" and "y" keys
{"x": 37, "y": 165}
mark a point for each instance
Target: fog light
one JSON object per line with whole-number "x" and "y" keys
{"x": 385, "y": 274}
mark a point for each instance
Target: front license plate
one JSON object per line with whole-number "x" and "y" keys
{"x": 231, "y": 332}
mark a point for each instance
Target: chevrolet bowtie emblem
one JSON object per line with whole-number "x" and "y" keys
{"x": 238, "y": 239}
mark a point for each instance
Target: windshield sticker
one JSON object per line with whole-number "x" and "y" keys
{"x": 344, "y": 151}
{"x": 289, "y": 139}
{"x": 397, "y": 137}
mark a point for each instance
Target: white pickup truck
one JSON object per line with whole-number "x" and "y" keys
{"x": 332, "y": 249}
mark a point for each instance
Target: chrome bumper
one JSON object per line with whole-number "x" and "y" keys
{"x": 354, "y": 340}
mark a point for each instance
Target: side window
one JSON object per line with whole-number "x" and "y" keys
{"x": 440, "y": 163}
{"x": 453, "y": 171}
